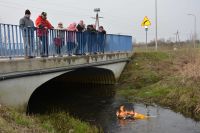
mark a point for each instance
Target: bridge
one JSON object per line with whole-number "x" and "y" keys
{"x": 95, "y": 58}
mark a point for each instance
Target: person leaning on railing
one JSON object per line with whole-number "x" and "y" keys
{"x": 101, "y": 37}
{"x": 93, "y": 39}
{"x": 43, "y": 25}
{"x": 59, "y": 39}
{"x": 71, "y": 39}
{"x": 80, "y": 37}
{"x": 27, "y": 27}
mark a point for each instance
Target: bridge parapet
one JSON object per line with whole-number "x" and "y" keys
{"x": 18, "y": 68}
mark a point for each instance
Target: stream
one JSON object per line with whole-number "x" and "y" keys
{"x": 97, "y": 104}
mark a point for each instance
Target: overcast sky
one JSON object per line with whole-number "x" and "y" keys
{"x": 120, "y": 16}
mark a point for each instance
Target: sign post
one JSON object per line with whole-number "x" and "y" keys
{"x": 146, "y": 29}
{"x": 145, "y": 23}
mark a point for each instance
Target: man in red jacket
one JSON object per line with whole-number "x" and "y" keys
{"x": 42, "y": 32}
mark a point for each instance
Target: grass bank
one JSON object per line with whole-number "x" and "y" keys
{"x": 168, "y": 78}
{"x": 13, "y": 122}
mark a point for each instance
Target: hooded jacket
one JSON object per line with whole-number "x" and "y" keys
{"x": 27, "y": 26}
{"x": 71, "y": 36}
{"x": 26, "y": 22}
{"x": 43, "y": 25}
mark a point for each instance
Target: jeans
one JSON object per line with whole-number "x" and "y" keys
{"x": 71, "y": 47}
{"x": 81, "y": 40}
{"x": 29, "y": 45}
{"x": 44, "y": 46}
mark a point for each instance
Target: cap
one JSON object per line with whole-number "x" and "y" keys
{"x": 101, "y": 27}
{"x": 27, "y": 12}
{"x": 60, "y": 23}
{"x": 44, "y": 14}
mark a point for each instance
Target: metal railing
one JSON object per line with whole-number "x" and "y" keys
{"x": 16, "y": 41}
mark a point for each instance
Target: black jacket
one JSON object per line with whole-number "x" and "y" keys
{"x": 80, "y": 28}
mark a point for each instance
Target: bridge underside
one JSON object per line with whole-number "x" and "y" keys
{"x": 88, "y": 75}
{"x": 96, "y": 82}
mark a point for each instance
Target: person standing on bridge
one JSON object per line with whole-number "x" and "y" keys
{"x": 101, "y": 37}
{"x": 43, "y": 26}
{"x": 60, "y": 38}
{"x": 93, "y": 39}
{"x": 80, "y": 37}
{"x": 89, "y": 38}
{"x": 27, "y": 27}
{"x": 71, "y": 39}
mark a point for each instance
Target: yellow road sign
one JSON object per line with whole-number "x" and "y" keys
{"x": 146, "y": 22}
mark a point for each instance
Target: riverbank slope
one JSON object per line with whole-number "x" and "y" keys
{"x": 167, "y": 78}
{"x": 11, "y": 121}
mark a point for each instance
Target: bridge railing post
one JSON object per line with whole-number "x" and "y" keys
{"x": 1, "y": 41}
{"x": 9, "y": 42}
{"x": 13, "y": 42}
{"x": 17, "y": 40}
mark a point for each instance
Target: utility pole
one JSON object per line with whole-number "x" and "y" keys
{"x": 156, "y": 27}
{"x": 177, "y": 37}
{"x": 97, "y": 10}
{"x": 195, "y": 29}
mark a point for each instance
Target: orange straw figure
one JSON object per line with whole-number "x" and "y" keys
{"x": 123, "y": 114}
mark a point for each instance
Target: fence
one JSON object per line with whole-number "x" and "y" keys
{"x": 19, "y": 42}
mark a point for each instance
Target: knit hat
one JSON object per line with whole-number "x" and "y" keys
{"x": 27, "y": 12}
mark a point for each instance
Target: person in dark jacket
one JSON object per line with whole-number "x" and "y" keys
{"x": 94, "y": 39}
{"x": 80, "y": 37}
{"x": 81, "y": 26}
{"x": 88, "y": 33}
{"x": 27, "y": 27}
{"x": 101, "y": 37}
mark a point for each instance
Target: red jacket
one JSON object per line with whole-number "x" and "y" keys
{"x": 43, "y": 25}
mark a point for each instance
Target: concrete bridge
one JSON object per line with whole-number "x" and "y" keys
{"x": 20, "y": 78}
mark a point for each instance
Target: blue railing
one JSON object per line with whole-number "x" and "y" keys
{"x": 16, "y": 41}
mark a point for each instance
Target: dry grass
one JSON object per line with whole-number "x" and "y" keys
{"x": 191, "y": 67}
{"x": 172, "y": 81}
{"x": 12, "y": 121}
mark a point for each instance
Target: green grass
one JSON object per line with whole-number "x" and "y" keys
{"x": 62, "y": 122}
{"x": 12, "y": 121}
{"x": 15, "y": 122}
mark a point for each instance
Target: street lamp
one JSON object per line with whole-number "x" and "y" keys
{"x": 156, "y": 27}
{"x": 195, "y": 28}
{"x": 97, "y": 10}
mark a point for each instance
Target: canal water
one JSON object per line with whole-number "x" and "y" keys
{"x": 97, "y": 104}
